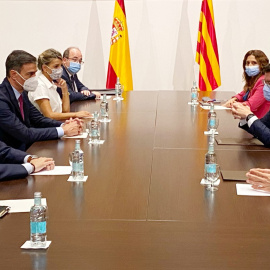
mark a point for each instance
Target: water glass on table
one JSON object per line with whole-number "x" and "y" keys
{"x": 212, "y": 177}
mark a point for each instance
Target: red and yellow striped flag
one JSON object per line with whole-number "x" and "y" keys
{"x": 207, "y": 50}
{"x": 119, "y": 62}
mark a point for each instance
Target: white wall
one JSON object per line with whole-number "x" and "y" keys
{"x": 162, "y": 36}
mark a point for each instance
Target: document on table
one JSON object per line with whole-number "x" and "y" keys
{"x": 58, "y": 170}
{"x": 81, "y": 136}
{"x": 217, "y": 107}
{"x": 247, "y": 190}
{"x": 20, "y": 206}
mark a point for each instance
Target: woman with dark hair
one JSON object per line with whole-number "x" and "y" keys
{"x": 252, "y": 94}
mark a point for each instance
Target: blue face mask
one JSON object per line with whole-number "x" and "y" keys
{"x": 74, "y": 67}
{"x": 252, "y": 70}
{"x": 266, "y": 92}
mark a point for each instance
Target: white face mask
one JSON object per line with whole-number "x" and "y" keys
{"x": 30, "y": 84}
{"x": 56, "y": 73}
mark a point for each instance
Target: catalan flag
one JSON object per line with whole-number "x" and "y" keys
{"x": 207, "y": 50}
{"x": 119, "y": 62}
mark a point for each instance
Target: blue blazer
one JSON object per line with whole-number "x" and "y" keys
{"x": 74, "y": 96}
{"x": 260, "y": 129}
{"x": 15, "y": 131}
{"x": 8, "y": 156}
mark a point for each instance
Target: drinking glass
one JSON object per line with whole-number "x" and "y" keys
{"x": 212, "y": 176}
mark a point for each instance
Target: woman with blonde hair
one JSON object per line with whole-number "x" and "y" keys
{"x": 252, "y": 94}
{"x": 46, "y": 98}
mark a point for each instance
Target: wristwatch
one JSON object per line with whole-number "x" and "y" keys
{"x": 249, "y": 116}
{"x": 31, "y": 157}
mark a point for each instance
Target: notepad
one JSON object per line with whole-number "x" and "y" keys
{"x": 239, "y": 141}
{"x": 234, "y": 175}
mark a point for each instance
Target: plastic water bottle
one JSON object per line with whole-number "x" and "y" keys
{"x": 104, "y": 108}
{"x": 212, "y": 116}
{"x": 77, "y": 162}
{"x": 194, "y": 94}
{"x": 94, "y": 129}
{"x": 212, "y": 110}
{"x": 38, "y": 219}
{"x": 210, "y": 161}
{"x": 118, "y": 89}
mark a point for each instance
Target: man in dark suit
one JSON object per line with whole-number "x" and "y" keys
{"x": 21, "y": 124}
{"x": 259, "y": 128}
{"x": 72, "y": 61}
{"x": 16, "y": 164}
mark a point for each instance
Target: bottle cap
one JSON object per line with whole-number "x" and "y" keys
{"x": 37, "y": 194}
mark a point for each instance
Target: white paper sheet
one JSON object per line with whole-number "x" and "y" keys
{"x": 217, "y": 107}
{"x": 106, "y": 120}
{"x": 21, "y": 206}
{"x": 247, "y": 190}
{"x": 58, "y": 170}
{"x": 210, "y": 133}
{"x": 96, "y": 142}
{"x": 207, "y": 183}
{"x": 81, "y": 136}
{"x": 107, "y": 97}
{"x": 27, "y": 245}
{"x": 70, "y": 179}
{"x": 118, "y": 99}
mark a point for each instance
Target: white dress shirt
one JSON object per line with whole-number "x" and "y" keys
{"x": 46, "y": 90}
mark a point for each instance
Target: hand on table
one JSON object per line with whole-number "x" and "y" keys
{"x": 42, "y": 163}
{"x": 229, "y": 103}
{"x": 259, "y": 179}
{"x": 240, "y": 110}
{"x": 72, "y": 127}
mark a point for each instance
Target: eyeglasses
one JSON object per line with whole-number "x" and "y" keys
{"x": 77, "y": 60}
{"x": 267, "y": 82}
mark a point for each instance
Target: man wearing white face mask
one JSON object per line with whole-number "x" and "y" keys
{"x": 72, "y": 61}
{"x": 21, "y": 124}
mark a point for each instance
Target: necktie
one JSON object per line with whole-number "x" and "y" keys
{"x": 73, "y": 83}
{"x": 21, "y": 105}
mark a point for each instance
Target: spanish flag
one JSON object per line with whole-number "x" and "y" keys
{"x": 207, "y": 50}
{"x": 119, "y": 62}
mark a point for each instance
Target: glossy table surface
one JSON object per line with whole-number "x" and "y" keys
{"x": 142, "y": 206}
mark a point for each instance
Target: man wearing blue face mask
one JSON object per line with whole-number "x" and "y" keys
{"x": 72, "y": 61}
{"x": 266, "y": 87}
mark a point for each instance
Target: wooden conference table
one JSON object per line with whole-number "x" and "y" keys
{"x": 142, "y": 206}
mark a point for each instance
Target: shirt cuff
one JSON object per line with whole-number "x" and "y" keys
{"x": 60, "y": 132}
{"x": 26, "y": 158}
{"x": 29, "y": 167}
{"x": 242, "y": 122}
{"x": 251, "y": 120}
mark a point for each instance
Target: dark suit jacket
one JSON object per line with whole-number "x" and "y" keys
{"x": 74, "y": 96}
{"x": 260, "y": 129}
{"x": 15, "y": 131}
{"x": 8, "y": 156}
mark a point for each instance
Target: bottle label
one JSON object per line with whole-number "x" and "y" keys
{"x": 193, "y": 95}
{"x": 212, "y": 122}
{"x": 38, "y": 227}
{"x": 210, "y": 168}
{"x": 75, "y": 166}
